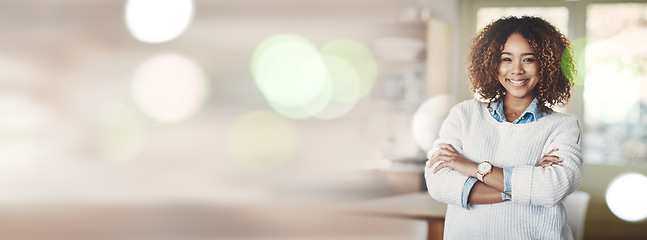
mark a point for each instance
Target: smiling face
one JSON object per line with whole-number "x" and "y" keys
{"x": 518, "y": 69}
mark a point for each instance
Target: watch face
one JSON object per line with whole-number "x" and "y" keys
{"x": 484, "y": 167}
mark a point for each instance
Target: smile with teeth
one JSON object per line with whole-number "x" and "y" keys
{"x": 518, "y": 82}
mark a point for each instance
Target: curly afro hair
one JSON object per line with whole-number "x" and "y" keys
{"x": 552, "y": 49}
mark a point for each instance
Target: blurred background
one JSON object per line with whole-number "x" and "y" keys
{"x": 222, "y": 119}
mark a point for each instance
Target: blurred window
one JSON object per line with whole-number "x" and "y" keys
{"x": 615, "y": 83}
{"x": 612, "y": 69}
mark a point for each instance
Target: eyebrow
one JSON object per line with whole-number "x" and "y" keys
{"x": 523, "y": 54}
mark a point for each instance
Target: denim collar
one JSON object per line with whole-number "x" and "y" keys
{"x": 531, "y": 114}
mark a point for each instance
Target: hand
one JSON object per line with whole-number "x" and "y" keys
{"x": 449, "y": 157}
{"x": 549, "y": 160}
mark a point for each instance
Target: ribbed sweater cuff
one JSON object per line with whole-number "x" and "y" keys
{"x": 522, "y": 184}
{"x": 453, "y": 186}
{"x": 446, "y": 185}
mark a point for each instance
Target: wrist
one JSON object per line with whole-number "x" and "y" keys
{"x": 474, "y": 170}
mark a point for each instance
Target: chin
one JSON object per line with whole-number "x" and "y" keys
{"x": 521, "y": 94}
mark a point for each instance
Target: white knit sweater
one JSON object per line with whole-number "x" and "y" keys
{"x": 536, "y": 211}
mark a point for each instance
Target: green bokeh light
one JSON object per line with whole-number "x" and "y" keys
{"x": 359, "y": 57}
{"x": 579, "y": 49}
{"x": 292, "y": 75}
{"x": 345, "y": 88}
{"x": 300, "y": 81}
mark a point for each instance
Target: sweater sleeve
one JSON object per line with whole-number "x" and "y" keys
{"x": 446, "y": 185}
{"x": 546, "y": 186}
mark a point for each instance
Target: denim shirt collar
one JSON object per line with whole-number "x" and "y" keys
{"x": 531, "y": 114}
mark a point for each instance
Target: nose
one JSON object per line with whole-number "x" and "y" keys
{"x": 516, "y": 68}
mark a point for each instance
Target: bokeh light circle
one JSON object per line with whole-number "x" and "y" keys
{"x": 300, "y": 81}
{"x": 261, "y": 140}
{"x": 156, "y": 21}
{"x": 579, "y": 49}
{"x": 276, "y": 65}
{"x": 169, "y": 87}
{"x": 275, "y": 47}
{"x": 359, "y": 57}
{"x": 428, "y": 119}
{"x": 626, "y": 197}
{"x": 345, "y": 88}
{"x": 121, "y": 132}
{"x": 292, "y": 75}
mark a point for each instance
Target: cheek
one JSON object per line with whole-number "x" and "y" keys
{"x": 533, "y": 69}
{"x": 502, "y": 71}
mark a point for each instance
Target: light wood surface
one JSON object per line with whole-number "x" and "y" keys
{"x": 417, "y": 205}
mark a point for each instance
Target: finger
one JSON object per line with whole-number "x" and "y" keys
{"x": 441, "y": 166}
{"x": 444, "y": 152}
{"x": 552, "y": 151}
{"x": 436, "y": 159}
{"x": 556, "y": 161}
{"x": 544, "y": 163}
{"x": 436, "y": 153}
{"x": 553, "y": 164}
{"x": 549, "y": 160}
{"x": 552, "y": 158}
{"x": 431, "y": 162}
{"x": 548, "y": 164}
{"x": 444, "y": 160}
{"x": 448, "y": 147}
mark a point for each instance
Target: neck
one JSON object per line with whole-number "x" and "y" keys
{"x": 513, "y": 106}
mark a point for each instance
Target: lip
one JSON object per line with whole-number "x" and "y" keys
{"x": 517, "y": 82}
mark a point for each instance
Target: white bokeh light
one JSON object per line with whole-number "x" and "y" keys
{"x": 626, "y": 195}
{"x": 428, "y": 119}
{"x": 169, "y": 87}
{"x": 158, "y": 21}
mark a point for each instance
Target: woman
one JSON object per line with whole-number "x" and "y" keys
{"x": 503, "y": 164}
